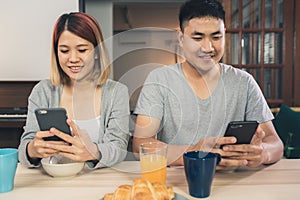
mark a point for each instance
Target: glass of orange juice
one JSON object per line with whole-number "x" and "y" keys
{"x": 153, "y": 160}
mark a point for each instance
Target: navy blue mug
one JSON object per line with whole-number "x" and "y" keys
{"x": 199, "y": 170}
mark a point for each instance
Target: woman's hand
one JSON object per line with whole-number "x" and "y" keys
{"x": 80, "y": 147}
{"x": 39, "y": 148}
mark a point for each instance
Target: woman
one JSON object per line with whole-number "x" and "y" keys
{"x": 97, "y": 107}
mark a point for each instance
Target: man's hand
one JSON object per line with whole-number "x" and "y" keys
{"x": 250, "y": 155}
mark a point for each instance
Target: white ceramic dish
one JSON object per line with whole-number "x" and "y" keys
{"x": 59, "y": 168}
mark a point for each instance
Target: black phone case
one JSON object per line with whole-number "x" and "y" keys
{"x": 52, "y": 117}
{"x": 242, "y": 130}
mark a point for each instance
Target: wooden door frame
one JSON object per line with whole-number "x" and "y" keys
{"x": 288, "y": 53}
{"x": 296, "y": 49}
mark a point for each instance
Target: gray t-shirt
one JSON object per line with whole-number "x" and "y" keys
{"x": 185, "y": 118}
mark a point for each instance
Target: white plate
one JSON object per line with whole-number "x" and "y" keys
{"x": 128, "y": 166}
{"x": 177, "y": 197}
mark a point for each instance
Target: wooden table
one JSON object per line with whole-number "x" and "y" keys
{"x": 280, "y": 181}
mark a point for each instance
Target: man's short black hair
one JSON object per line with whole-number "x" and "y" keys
{"x": 200, "y": 8}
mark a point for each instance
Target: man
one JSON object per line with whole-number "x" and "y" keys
{"x": 188, "y": 105}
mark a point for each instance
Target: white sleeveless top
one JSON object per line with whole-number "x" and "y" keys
{"x": 91, "y": 126}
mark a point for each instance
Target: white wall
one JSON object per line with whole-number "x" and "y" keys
{"x": 25, "y": 36}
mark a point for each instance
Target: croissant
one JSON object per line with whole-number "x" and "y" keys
{"x": 162, "y": 192}
{"x": 142, "y": 189}
{"x": 123, "y": 192}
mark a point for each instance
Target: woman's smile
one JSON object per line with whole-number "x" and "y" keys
{"x": 75, "y": 69}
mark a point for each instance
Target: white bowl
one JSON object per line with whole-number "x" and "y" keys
{"x": 61, "y": 169}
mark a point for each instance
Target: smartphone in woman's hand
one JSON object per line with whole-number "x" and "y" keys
{"x": 52, "y": 117}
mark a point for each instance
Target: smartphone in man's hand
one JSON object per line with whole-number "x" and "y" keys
{"x": 52, "y": 117}
{"x": 242, "y": 130}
